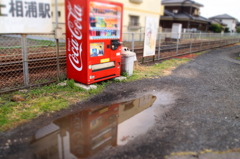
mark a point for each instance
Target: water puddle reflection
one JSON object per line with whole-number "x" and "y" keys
{"x": 86, "y": 132}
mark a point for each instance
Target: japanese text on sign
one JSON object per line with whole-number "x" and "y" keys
{"x": 25, "y": 12}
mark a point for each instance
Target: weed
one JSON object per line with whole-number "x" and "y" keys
{"x": 71, "y": 83}
{"x": 125, "y": 74}
{"x": 238, "y": 58}
{"x": 156, "y": 70}
{"x": 27, "y": 115}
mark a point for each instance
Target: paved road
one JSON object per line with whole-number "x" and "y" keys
{"x": 196, "y": 114}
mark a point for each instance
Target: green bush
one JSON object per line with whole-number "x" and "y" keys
{"x": 238, "y": 29}
{"x": 216, "y": 28}
{"x": 226, "y": 30}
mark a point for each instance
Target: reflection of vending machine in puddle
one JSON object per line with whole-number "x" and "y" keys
{"x": 86, "y": 132}
{"x": 93, "y": 35}
{"x": 90, "y": 130}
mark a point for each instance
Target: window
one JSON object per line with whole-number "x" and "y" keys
{"x": 59, "y": 13}
{"x": 196, "y": 12}
{"x": 134, "y": 21}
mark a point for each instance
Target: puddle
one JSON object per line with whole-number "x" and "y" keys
{"x": 86, "y": 132}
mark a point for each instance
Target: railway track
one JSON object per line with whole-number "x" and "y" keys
{"x": 37, "y": 62}
{"x": 43, "y": 62}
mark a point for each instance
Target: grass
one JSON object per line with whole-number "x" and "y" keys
{"x": 238, "y": 58}
{"x": 51, "y": 98}
{"x": 47, "y": 99}
{"x": 160, "y": 69}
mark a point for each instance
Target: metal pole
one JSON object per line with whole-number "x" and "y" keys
{"x": 25, "y": 60}
{"x": 177, "y": 44}
{"x": 191, "y": 37}
{"x": 226, "y": 39}
{"x": 141, "y": 34}
{"x": 220, "y": 40}
{"x": 209, "y": 41}
{"x": 132, "y": 42}
{"x": 201, "y": 42}
{"x": 159, "y": 46}
{"x": 56, "y": 13}
{"x": 58, "y": 63}
{"x": 57, "y": 39}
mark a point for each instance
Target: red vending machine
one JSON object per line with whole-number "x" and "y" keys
{"x": 93, "y": 40}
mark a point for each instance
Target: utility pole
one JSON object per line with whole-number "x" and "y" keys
{"x": 56, "y": 14}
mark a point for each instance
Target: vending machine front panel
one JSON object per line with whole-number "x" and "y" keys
{"x": 105, "y": 29}
{"x": 99, "y": 48}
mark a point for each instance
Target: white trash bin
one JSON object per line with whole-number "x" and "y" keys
{"x": 128, "y": 58}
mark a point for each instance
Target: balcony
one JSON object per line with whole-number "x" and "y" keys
{"x": 136, "y": 1}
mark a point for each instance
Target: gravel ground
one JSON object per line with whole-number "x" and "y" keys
{"x": 205, "y": 115}
{"x": 201, "y": 110}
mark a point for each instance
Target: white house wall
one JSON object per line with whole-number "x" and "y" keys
{"x": 231, "y": 24}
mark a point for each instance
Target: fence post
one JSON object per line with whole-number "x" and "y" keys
{"x": 133, "y": 42}
{"x": 159, "y": 46}
{"x": 226, "y": 39}
{"x": 141, "y": 34}
{"x": 209, "y": 43}
{"x": 191, "y": 39}
{"x": 220, "y": 40}
{"x": 177, "y": 43}
{"x": 25, "y": 60}
{"x": 58, "y": 63}
{"x": 201, "y": 42}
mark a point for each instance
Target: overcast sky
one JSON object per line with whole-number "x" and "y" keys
{"x": 217, "y": 7}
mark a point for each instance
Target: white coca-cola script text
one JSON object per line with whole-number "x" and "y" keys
{"x": 74, "y": 20}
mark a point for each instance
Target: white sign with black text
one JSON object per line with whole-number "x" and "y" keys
{"x": 25, "y": 16}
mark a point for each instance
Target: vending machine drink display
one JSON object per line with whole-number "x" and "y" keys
{"x": 93, "y": 40}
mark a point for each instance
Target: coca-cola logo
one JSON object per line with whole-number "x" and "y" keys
{"x": 74, "y": 20}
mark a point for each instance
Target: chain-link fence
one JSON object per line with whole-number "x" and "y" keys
{"x": 30, "y": 60}
{"x": 174, "y": 44}
{"x": 36, "y": 59}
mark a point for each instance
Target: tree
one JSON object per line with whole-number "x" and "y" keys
{"x": 238, "y": 29}
{"x": 216, "y": 28}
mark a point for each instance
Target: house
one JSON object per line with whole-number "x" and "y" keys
{"x": 60, "y": 14}
{"x": 230, "y": 21}
{"x": 217, "y": 21}
{"x": 135, "y": 13}
{"x": 186, "y": 12}
{"x": 238, "y": 24}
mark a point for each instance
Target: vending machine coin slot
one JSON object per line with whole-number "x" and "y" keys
{"x": 115, "y": 44}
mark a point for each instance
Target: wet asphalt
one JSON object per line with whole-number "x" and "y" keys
{"x": 199, "y": 109}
